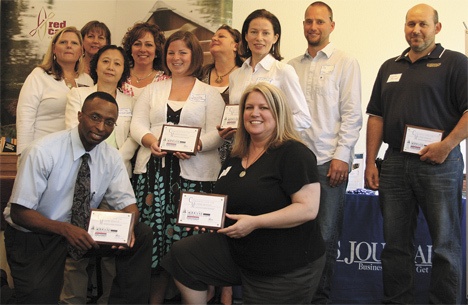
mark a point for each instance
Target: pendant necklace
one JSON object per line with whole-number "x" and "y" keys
{"x": 138, "y": 79}
{"x": 244, "y": 172}
{"x": 67, "y": 83}
{"x": 219, "y": 78}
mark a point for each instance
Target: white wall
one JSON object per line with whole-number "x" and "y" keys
{"x": 370, "y": 30}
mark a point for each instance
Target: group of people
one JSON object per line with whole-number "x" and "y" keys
{"x": 284, "y": 168}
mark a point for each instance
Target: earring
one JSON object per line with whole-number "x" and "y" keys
{"x": 55, "y": 57}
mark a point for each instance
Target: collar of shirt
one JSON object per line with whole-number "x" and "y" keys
{"x": 266, "y": 63}
{"x": 78, "y": 148}
{"x": 326, "y": 51}
{"x": 436, "y": 53}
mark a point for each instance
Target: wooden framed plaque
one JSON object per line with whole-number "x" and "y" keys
{"x": 416, "y": 138}
{"x": 230, "y": 116}
{"x": 111, "y": 227}
{"x": 201, "y": 210}
{"x": 176, "y": 138}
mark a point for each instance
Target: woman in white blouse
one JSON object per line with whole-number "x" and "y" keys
{"x": 109, "y": 69}
{"x": 42, "y": 99}
{"x": 261, "y": 35}
{"x": 161, "y": 176}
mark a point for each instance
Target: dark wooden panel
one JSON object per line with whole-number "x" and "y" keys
{"x": 7, "y": 178}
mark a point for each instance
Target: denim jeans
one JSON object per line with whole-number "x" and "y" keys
{"x": 330, "y": 219}
{"x": 408, "y": 185}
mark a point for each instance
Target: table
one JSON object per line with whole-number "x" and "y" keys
{"x": 358, "y": 272}
{"x": 8, "y": 163}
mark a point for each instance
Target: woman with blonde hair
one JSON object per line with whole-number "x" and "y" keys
{"x": 271, "y": 243}
{"x": 43, "y": 97}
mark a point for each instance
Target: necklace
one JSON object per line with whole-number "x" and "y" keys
{"x": 68, "y": 83}
{"x": 219, "y": 78}
{"x": 244, "y": 172}
{"x": 142, "y": 78}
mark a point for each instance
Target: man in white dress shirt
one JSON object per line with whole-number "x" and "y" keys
{"x": 331, "y": 81}
{"x": 39, "y": 211}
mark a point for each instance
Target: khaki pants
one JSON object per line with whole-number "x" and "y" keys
{"x": 75, "y": 284}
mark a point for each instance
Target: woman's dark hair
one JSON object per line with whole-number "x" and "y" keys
{"x": 193, "y": 44}
{"x": 138, "y": 30}
{"x": 94, "y": 62}
{"x": 236, "y": 35}
{"x": 261, "y": 13}
{"x": 98, "y": 26}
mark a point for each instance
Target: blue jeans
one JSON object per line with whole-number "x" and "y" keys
{"x": 408, "y": 185}
{"x": 330, "y": 219}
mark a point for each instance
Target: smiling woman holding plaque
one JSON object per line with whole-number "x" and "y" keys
{"x": 271, "y": 243}
{"x": 182, "y": 100}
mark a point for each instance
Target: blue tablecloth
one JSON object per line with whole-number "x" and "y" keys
{"x": 358, "y": 273}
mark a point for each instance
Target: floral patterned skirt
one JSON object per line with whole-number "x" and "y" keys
{"x": 158, "y": 193}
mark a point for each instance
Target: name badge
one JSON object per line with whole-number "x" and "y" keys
{"x": 225, "y": 172}
{"x": 125, "y": 112}
{"x": 264, "y": 79}
{"x": 394, "y": 78}
{"x": 198, "y": 97}
{"x": 327, "y": 69}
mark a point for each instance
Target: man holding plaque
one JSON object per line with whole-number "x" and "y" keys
{"x": 43, "y": 205}
{"x": 415, "y": 96}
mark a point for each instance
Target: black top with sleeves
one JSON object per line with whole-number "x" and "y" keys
{"x": 431, "y": 93}
{"x": 266, "y": 187}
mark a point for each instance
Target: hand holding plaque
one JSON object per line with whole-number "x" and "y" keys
{"x": 202, "y": 210}
{"x": 111, "y": 227}
{"x": 230, "y": 116}
{"x": 416, "y": 138}
{"x": 177, "y": 138}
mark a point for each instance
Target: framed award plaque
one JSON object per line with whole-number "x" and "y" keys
{"x": 176, "y": 138}
{"x": 202, "y": 210}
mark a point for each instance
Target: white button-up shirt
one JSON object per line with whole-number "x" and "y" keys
{"x": 47, "y": 174}
{"x": 277, "y": 73}
{"x": 331, "y": 82}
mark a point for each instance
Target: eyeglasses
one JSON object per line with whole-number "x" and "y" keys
{"x": 96, "y": 118}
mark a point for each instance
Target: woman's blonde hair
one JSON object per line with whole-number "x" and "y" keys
{"x": 50, "y": 64}
{"x": 281, "y": 112}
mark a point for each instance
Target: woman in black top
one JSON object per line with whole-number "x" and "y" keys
{"x": 271, "y": 243}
